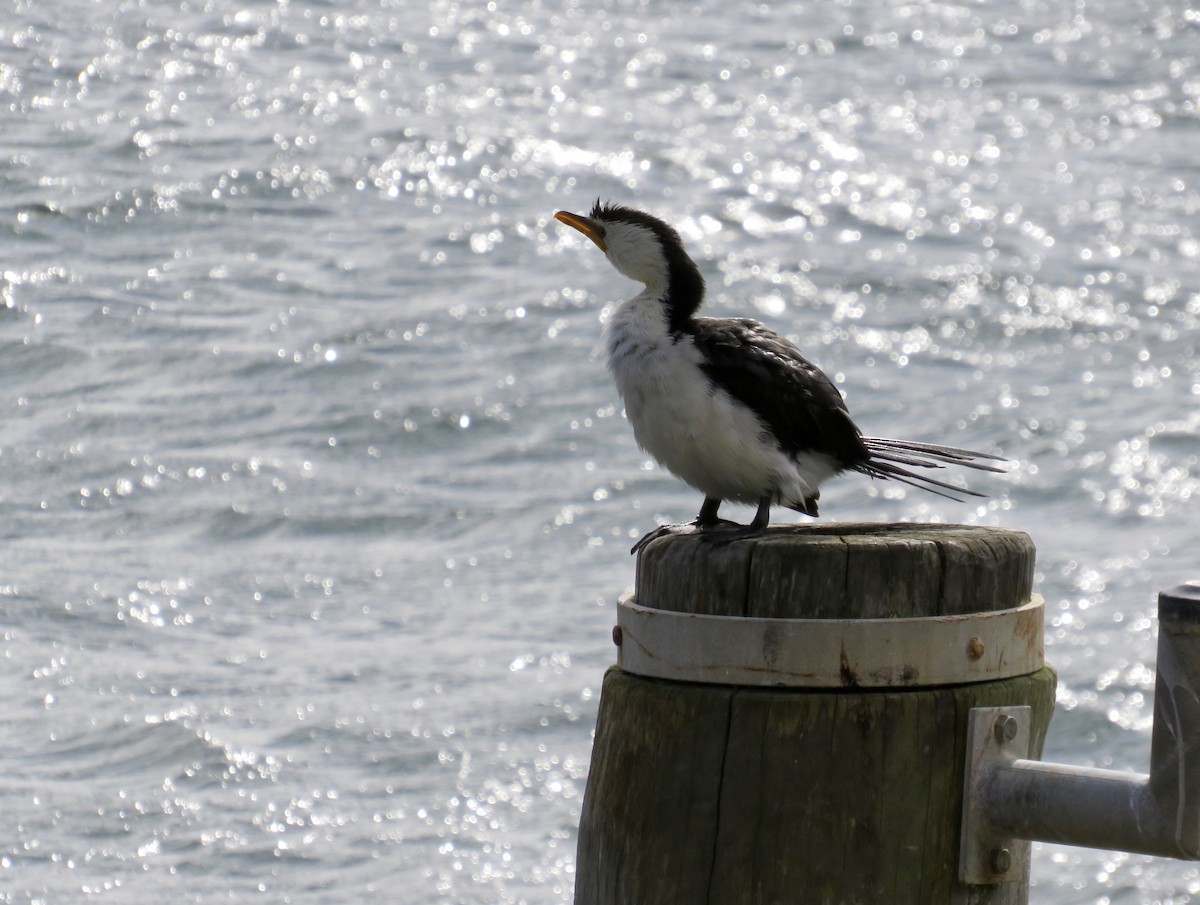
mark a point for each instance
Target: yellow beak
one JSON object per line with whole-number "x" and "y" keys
{"x": 585, "y": 225}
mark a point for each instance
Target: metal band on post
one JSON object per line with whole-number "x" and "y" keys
{"x": 830, "y": 653}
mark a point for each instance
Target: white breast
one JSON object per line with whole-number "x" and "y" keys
{"x": 699, "y": 433}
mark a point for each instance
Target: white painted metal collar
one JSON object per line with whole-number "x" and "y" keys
{"x": 830, "y": 653}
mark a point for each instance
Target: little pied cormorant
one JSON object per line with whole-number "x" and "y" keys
{"x": 727, "y": 405}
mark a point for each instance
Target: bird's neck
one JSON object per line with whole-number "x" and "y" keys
{"x": 639, "y": 326}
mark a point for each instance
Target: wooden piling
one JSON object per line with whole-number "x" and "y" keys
{"x": 719, "y": 794}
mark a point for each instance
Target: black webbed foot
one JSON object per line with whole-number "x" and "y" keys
{"x": 662, "y": 531}
{"x": 714, "y": 529}
{"x": 731, "y": 531}
{"x": 710, "y": 528}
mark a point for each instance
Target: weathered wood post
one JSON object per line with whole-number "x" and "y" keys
{"x": 815, "y": 761}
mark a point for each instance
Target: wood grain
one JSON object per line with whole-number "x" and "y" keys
{"x": 712, "y": 795}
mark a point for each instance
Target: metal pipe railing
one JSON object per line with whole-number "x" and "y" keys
{"x": 1010, "y": 797}
{"x": 1108, "y": 809}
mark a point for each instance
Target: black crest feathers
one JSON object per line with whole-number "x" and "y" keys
{"x": 685, "y": 285}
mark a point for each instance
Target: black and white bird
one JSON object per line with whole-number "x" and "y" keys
{"x": 727, "y": 405}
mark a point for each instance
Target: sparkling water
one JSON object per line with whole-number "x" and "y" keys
{"x": 316, "y": 497}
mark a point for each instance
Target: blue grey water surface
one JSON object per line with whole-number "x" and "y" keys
{"x": 315, "y": 497}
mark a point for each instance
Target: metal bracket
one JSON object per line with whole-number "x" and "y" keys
{"x": 995, "y": 736}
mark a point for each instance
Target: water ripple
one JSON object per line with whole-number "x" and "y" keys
{"x": 302, "y": 392}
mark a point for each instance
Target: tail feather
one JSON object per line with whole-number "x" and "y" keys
{"x": 953, "y": 455}
{"x": 888, "y": 458}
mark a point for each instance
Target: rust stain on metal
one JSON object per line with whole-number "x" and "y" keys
{"x": 1028, "y": 627}
{"x": 772, "y": 639}
{"x": 906, "y": 675}
{"x": 849, "y": 677}
{"x": 782, "y": 675}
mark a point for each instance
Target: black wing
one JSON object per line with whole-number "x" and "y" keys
{"x": 796, "y": 401}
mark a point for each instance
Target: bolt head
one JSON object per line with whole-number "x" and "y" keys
{"x": 976, "y": 649}
{"x": 617, "y": 635}
{"x": 1006, "y": 729}
{"x": 1001, "y": 860}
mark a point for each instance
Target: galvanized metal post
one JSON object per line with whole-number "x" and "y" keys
{"x": 1011, "y": 798}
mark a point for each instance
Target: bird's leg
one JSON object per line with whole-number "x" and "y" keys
{"x": 710, "y": 527}
{"x": 757, "y": 526}
{"x": 707, "y": 519}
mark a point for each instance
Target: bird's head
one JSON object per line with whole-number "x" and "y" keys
{"x": 644, "y": 249}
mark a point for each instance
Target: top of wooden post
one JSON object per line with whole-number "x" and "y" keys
{"x": 847, "y": 571}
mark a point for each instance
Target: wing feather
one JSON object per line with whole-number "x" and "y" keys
{"x": 799, "y": 405}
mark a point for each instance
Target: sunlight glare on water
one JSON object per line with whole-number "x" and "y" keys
{"x": 317, "y": 496}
